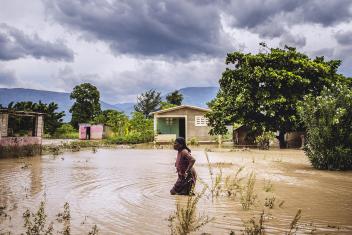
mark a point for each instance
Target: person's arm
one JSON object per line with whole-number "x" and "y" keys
{"x": 191, "y": 161}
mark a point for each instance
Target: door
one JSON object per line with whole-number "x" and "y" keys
{"x": 182, "y": 127}
{"x": 88, "y": 133}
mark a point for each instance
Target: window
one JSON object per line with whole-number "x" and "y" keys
{"x": 169, "y": 121}
{"x": 200, "y": 121}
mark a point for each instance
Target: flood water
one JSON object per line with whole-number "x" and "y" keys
{"x": 126, "y": 191}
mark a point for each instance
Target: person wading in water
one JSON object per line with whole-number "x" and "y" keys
{"x": 184, "y": 165}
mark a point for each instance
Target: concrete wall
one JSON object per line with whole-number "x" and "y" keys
{"x": 96, "y": 132}
{"x": 20, "y": 146}
{"x": 198, "y": 132}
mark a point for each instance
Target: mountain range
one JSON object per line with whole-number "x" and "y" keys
{"x": 196, "y": 96}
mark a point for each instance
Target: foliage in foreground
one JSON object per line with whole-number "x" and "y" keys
{"x": 328, "y": 119}
{"x": 185, "y": 220}
{"x": 37, "y": 224}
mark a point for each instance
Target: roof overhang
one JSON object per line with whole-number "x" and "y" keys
{"x": 181, "y": 107}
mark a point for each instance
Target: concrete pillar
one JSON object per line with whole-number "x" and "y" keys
{"x": 4, "y": 121}
{"x": 39, "y": 127}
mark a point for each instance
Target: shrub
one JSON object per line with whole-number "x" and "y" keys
{"x": 328, "y": 120}
{"x": 264, "y": 139}
{"x": 66, "y": 131}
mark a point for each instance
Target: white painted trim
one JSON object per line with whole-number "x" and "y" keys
{"x": 168, "y": 116}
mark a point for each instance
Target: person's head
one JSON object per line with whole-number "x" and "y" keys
{"x": 180, "y": 144}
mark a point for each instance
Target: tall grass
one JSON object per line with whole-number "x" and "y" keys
{"x": 185, "y": 220}
{"x": 248, "y": 195}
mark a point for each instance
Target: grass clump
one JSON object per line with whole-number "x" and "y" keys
{"x": 248, "y": 195}
{"x": 185, "y": 220}
{"x": 254, "y": 226}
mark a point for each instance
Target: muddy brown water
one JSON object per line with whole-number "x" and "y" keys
{"x": 126, "y": 191}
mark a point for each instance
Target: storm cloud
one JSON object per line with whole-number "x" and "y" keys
{"x": 7, "y": 77}
{"x": 15, "y": 44}
{"x": 178, "y": 29}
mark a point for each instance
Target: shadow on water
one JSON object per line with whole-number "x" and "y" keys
{"x": 127, "y": 191}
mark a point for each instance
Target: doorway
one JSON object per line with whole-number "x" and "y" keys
{"x": 88, "y": 133}
{"x": 182, "y": 127}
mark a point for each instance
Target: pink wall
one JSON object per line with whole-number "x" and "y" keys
{"x": 20, "y": 141}
{"x": 96, "y": 131}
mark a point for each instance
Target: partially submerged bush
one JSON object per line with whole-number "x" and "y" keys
{"x": 263, "y": 140}
{"x": 328, "y": 119}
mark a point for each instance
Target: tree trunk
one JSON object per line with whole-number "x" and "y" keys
{"x": 281, "y": 138}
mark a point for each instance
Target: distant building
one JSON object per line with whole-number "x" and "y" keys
{"x": 20, "y": 133}
{"x": 242, "y": 136}
{"x": 182, "y": 121}
{"x": 93, "y": 131}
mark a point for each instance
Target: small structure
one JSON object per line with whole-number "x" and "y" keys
{"x": 242, "y": 136}
{"x": 20, "y": 132}
{"x": 182, "y": 121}
{"x": 93, "y": 131}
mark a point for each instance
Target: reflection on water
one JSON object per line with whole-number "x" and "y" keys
{"x": 127, "y": 191}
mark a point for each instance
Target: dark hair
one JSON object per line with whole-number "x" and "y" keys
{"x": 182, "y": 142}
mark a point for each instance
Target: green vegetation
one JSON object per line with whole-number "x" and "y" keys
{"x": 86, "y": 105}
{"x": 37, "y": 224}
{"x": 328, "y": 120}
{"x": 185, "y": 219}
{"x": 166, "y": 105}
{"x": 248, "y": 196}
{"x": 148, "y": 102}
{"x": 263, "y": 140}
{"x": 66, "y": 131}
{"x": 118, "y": 121}
{"x": 175, "y": 98}
{"x": 262, "y": 90}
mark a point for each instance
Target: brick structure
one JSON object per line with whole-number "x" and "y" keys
{"x": 15, "y": 144}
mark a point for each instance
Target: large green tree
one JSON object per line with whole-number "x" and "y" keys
{"x": 52, "y": 118}
{"x": 118, "y": 121}
{"x": 175, "y": 98}
{"x": 148, "y": 102}
{"x": 262, "y": 90}
{"x": 86, "y": 105}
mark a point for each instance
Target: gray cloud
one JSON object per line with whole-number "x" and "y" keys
{"x": 344, "y": 37}
{"x": 15, "y": 44}
{"x": 293, "y": 40}
{"x": 179, "y": 29}
{"x": 273, "y": 18}
{"x": 7, "y": 77}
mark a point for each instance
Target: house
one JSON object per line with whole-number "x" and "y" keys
{"x": 20, "y": 132}
{"x": 93, "y": 131}
{"x": 182, "y": 121}
{"x": 244, "y": 137}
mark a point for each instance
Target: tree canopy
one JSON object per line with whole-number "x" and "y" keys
{"x": 86, "y": 105}
{"x": 148, "y": 102}
{"x": 175, "y": 98}
{"x": 118, "y": 121}
{"x": 262, "y": 90}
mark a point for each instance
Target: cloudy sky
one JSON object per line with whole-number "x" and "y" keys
{"x": 128, "y": 46}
